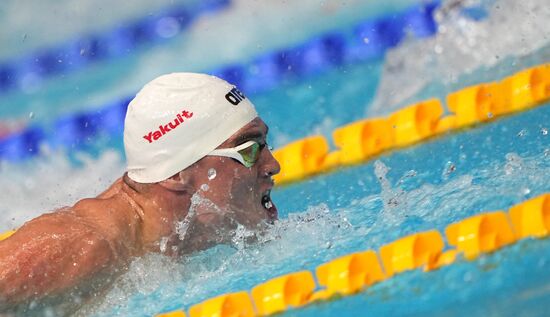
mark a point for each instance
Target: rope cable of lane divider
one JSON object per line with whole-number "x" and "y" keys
{"x": 73, "y": 132}
{"x": 352, "y": 273}
{"x": 363, "y": 140}
{"x": 87, "y": 49}
{"x": 367, "y": 40}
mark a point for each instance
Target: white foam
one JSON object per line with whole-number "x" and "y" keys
{"x": 44, "y": 184}
{"x": 207, "y": 273}
{"x": 512, "y": 29}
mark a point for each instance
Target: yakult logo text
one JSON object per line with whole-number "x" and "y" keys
{"x": 163, "y": 129}
{"x": 234, "y": 96}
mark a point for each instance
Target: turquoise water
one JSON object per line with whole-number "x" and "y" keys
{"x": 423, "y": 187}
{"x": 364, "y": 207}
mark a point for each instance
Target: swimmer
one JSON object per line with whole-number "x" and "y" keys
{"x": 198, "y": 167}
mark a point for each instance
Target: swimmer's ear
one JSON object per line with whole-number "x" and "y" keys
{"x": 178, "y": 183}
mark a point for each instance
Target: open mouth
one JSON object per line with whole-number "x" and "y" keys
{"x": 268, "y": 205}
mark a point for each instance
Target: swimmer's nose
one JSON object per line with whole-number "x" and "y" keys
{"x": 270, "y": 166}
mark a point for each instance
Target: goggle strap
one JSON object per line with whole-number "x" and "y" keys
{"x": 233, "y": 152}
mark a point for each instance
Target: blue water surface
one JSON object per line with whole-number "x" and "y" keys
{"x": 422, "y": 187}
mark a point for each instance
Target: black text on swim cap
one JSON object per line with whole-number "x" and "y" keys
{"x": 234, "y": 96}
{"x": 163, "y": 129}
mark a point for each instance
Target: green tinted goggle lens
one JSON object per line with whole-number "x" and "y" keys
{"x": 250, "y": 154}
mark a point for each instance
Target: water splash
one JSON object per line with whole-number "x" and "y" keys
{"x": 392, "y": 199}
{"x": 195, "y": 277}
{"x": 512, "y": 30}
{"x": 211, "y": 173}
{"x": 197, "y": 202}
{"x": 47, "y": 183}
{"x": 449, "y": 169}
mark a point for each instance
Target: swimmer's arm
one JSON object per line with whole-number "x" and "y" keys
{"x": 54, "y": 254}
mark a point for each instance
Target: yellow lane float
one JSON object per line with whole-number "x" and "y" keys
{"x": 532, "y": 218}
{"x": 480, "y": 234}
{"x": 362, "y": 139}
{"x": 476, "y": 104}
{"x": 528, "y": 87}
{"x": 228, "y": 305}
{"x": 411, "y": 252}
{"x": 416, "y": 122}
{"x": 301, "y": 158}
{"x": 283, "y": 292}
{"x": 350, "y": 273}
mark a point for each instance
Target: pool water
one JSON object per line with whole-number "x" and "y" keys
{"x": 364, "y": 207}
{"x": 428, "y": 186}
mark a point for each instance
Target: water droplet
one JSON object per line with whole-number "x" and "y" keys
{"x": 450, "y": 167}
{"x": 211, "y": 174}
{"x": 522, "y": 133}
{"x": 513, "y": 163}
{"x": 31, "y": 115}
{"x": 162, "y": 244}
{"x": 544, "y": 131}
{"x": 366, "y": 40}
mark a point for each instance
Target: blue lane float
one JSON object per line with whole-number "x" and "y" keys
{"x": 22, "y": 145}
{"x": 75, "y": 131}
{"x": 123, "y": 40}
{"x": 365, "y": 41}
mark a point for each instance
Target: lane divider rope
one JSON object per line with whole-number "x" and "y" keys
{"x": 367, "y": 40}
{"x": 353, "y": 273}
{"x": 362, "y": 140}
{"x": 88, "y": 49}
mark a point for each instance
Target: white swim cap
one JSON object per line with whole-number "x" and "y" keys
{"x": 177, "y": 119}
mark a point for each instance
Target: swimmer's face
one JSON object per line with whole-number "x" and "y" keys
{"x": 238, "y": 193}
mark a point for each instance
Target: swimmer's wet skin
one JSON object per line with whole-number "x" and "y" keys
{"x": 182, "y": 131}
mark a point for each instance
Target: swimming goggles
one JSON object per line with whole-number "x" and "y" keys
{"x": 247, "y": 153}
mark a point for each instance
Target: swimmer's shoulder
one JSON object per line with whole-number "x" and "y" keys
{"x": 112, "y": 215}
